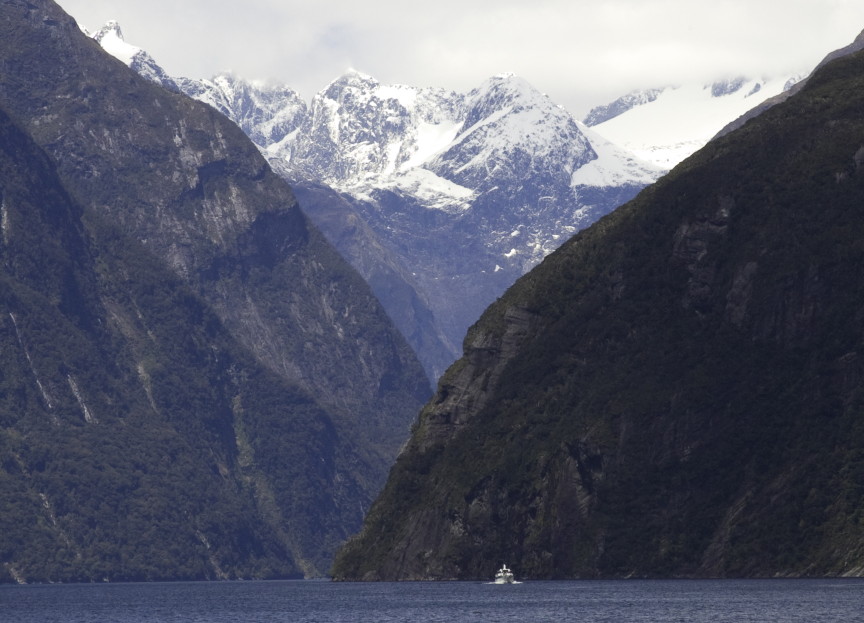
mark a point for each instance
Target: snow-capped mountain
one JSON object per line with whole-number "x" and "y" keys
{"x": 444, "y": 199}
{"x": 664, "y": 126}
{"x": 470, "y": 191}
{"x": 359, "y": 132}
{"x": 110, "y": 37}
{"x": 266, "y": 113}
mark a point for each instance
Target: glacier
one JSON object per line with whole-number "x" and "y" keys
{"x": 666, "y": 125}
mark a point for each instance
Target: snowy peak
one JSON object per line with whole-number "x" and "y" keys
{"x": 267, "y": 113}
{"x": 359, "y": 130}
{"x": 358, "y": 133}
{"x": 502, "y": 93}
{"x": 664, "y": 126}
{"x": 110, "y": 37}
{"x": 511, "y": 129}
{"x": 348, "y": 83}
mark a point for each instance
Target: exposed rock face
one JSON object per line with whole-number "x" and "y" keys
{"x": 184, "y": 184}
{"x": 676, "y": 392}
{"x": 480, "y": 368}
{"x": 599, "y": 114}
{"x": 110, "y": 37}
{"x": 266, "y": 113}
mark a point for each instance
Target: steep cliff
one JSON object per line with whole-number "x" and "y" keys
{"x": 275, "y": 363}
{"x": 675, "y": 392}
{"x": 120, "y": 397}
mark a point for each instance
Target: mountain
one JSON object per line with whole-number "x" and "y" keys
{"x": 466, "y": 191}
{"x": 666, "y": 125}
{"x": 117, "y": 402}
{"x": 605, "y": 112}
{"x": 447, "y": 197}
{"x": 675, "y": 392}
{"x": 194, "y": 383}
{"x": 266, "y": 113}
{"x": 110, "y": 37}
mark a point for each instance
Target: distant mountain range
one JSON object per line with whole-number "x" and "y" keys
{"x": 444, "y": 198}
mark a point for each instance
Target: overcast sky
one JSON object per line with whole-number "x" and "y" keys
{"x": 580, "y": 52}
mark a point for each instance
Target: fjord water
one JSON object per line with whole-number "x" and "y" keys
{"x": 680, "y": 601}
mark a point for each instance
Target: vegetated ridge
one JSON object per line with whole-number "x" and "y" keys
{"x": 194, "y": 383}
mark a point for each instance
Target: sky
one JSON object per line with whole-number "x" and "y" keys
{"x": 581, "y": 53}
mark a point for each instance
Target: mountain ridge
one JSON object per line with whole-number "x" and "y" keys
{"x": 675, "y": 392}
{"x": 229, "y": 327}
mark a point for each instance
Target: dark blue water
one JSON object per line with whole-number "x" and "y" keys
{"x": 663, "y": 601}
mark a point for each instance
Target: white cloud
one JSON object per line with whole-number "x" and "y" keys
{"x": 580, "y": 52}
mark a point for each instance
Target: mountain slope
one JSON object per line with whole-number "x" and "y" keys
{"x": 110, "y": 37}
{"x": 182, "y": 185}
{"x": 116, "y": 406}
{"x": 676, "y": 392}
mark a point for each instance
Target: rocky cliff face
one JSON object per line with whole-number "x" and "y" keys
{"x": 182, "y": 184}
{"x": 121, "y": 394}
{"x": 673, "y": 393}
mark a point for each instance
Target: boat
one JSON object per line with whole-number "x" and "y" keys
{"x": 504, "y": 576}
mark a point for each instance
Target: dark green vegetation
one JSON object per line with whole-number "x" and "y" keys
{"x": 676, "y": 392}
{"x": 193, "y": 384}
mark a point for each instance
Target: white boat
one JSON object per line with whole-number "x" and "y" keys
{"x": 504, "y": 576}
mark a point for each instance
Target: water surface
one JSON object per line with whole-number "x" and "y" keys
{"x": 661, "y": 601}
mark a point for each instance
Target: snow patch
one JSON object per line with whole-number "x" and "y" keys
{"x": 110, "y": 38}
{"x": 431, "y": 139}
{"x": 434, "y": 191}
{"x": 4, "y": 221}
{"x": 405, "y": 95}
{"x": 48, "y": 402}
{"x": 681, "y": 120}
{"x": 613, "y": 166}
